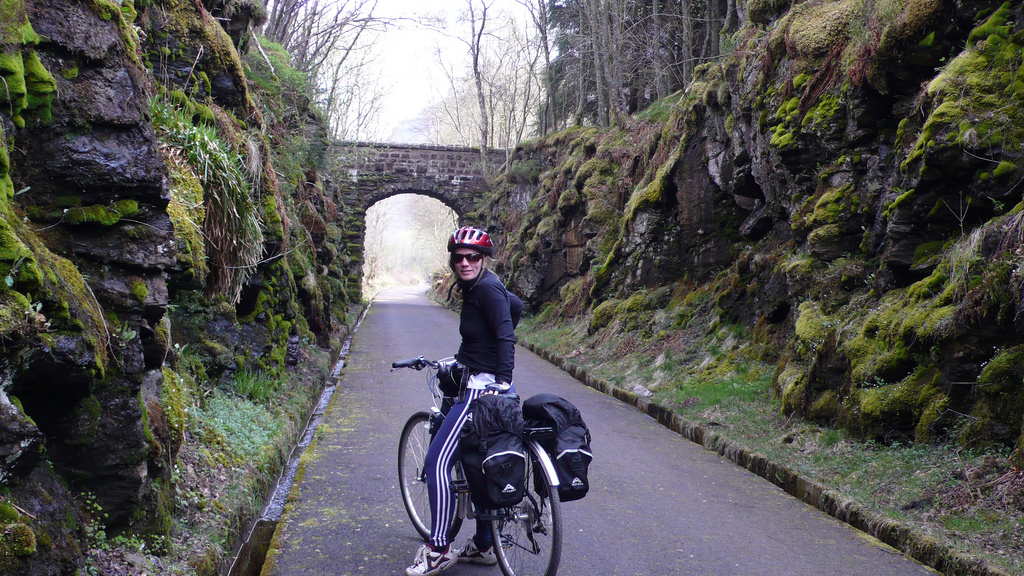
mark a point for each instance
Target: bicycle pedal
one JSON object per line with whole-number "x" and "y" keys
{"x": 460, "y": 486}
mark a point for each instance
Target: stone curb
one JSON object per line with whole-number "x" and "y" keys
{"x": 920, "y": 547}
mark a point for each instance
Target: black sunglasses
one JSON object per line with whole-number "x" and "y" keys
{"x": 471, "y": 257}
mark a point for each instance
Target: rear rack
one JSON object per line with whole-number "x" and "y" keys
{"x": 539, "y": 433}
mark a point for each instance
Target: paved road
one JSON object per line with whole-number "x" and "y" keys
{"x": 659, "y": 504}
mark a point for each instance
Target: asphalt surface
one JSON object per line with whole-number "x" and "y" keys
{"x": 659, "y": 504}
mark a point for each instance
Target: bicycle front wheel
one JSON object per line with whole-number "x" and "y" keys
{"x": 412, "y": 477}
{"x": 529, "y": 535}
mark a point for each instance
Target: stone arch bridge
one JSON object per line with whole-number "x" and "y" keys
{"x": 453, "y": 175}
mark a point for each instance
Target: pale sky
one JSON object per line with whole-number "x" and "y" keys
{"x": 411, "y": 69}
{"x": 412, "y": 75}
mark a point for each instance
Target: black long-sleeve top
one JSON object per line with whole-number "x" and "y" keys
{"x": 488, "y": 334}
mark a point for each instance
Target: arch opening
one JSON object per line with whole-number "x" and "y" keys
{"x": 405, "y": 241}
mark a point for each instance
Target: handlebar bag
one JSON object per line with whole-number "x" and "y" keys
{"x": 449, "y": 378}
{"x": 493, "y": 452}
{"x": 570, "y": 448}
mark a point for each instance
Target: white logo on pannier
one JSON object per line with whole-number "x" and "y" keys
{"x": 577, "y": 483}
{"x": 509, "y": 489}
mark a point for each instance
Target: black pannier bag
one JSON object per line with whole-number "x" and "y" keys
{"x": 570, "y": 448}
{"x": 493, "y": 451}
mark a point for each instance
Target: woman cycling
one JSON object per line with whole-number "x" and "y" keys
{"x": 488, "y": 354}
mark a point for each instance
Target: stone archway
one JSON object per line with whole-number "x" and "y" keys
{"x": 451, "y": 174}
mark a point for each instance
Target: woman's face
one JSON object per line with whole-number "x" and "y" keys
{"x": 463, "y": 267}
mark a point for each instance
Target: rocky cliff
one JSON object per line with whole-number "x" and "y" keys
{"x": 843, "y": 193}
{"x": 152, "y": 201}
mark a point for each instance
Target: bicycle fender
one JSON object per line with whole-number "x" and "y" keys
{"x": 545, "y": 463}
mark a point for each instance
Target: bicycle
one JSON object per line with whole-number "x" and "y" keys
{"x": 528, "y": 536}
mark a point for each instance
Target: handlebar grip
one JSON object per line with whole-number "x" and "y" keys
{"x": 410, "y": 363}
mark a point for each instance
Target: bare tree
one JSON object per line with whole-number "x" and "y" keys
{"x": 476, "y": 17}
{"x": 352, "y": 97}
{"x": 507, "y": 75}
{"x": 331, "y": 41}
{"x": 616, "y": 56}
{"x": 378, "y": 221}
{"x": 538, "y": 10}
{"x": 434, "y": 222}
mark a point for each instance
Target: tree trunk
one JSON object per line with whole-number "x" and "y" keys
{"x": 475, "y": 47}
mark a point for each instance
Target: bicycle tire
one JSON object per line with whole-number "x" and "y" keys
{"x": 412, "y": 481}
{"x": 529, "y": 535}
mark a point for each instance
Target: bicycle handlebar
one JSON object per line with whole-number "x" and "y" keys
{"x": 417, "y": 363}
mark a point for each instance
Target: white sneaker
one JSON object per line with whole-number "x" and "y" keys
{"x": 470, "y": 553}
{"x": 428, "y": 562}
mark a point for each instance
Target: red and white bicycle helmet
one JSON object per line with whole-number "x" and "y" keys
{"x": 474, "y": 238}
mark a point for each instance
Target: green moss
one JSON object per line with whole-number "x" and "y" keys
{"x": 655, "y": 192}
{"x": 823, "y": 111}
{"x": 138, "y": 289}
{"x": 102, "y": 214}
{"x": 17, "y": 541}
{"x": 40, "y": 86}
{"x": 12, "y": 69}
{"x": 86, "y": 421}
{"x": 15, "y": 28}
{"x": 603, "y": 314}
{"x": 927, "y": 251}
{"x": 781, "y": 136}
{"x": 128, "y": 10}
{"x": 831, "y": 206}
{"x": 568, "y": 199}
{"x": 998, "y": 24}
{"x": 825, "y": 234}
{"x": 936, "y": 408}
{"x": 968, "y": 96}
{"x": 826, "y": 407}
{"x": 816, "y": 29}
{"x": 915, "y": 316}
{"x": 888, "y": 403}
{"x": 812, "y": 326}
{"x": 903, "y": 197}
{"x": 800, "y": 80}
{"x": 69, "y": 73}
{"x": 1005, "y": 369}
{"x": 1000, "y": 384}
{"x": 760, "y": 11}
{"x": 8, "y": 514}
{"x": 788, "y": 109}
{"x": 1004, "y": 169}
{"x": 791, "y": 384}
{"x": 204, "y": 83}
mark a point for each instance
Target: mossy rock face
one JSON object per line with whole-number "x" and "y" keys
{"x": 791, "y": 386}
{"x": 104, "y": 215}
{"x": 812, "y": 328}
{"x": 764, "y": 11}
{"x": 817, "y": 28}
{"x": 603, "y": 314}
{"x": 965, "y": 102}
{"x": 892, "y": 406}
{"x": 16, "y": 541}
{"x": 1001, "y": 383}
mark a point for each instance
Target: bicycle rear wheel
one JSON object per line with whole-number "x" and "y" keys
{"x": 530, "y": 534}
{"x": 412, "y": 478}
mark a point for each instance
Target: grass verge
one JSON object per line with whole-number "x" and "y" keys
{"x": 960, "y": 511}
{"x": 236, "y": 438}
